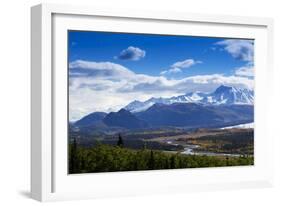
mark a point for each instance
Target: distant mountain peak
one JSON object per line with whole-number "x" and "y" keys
{"x": 222, "y": 95}
{"x": 90, "y": 119}
{"x": 223, "y": 88}
{"x": 124, "y": 118}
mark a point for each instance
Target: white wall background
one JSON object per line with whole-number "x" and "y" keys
{"x": 15, "y": 95}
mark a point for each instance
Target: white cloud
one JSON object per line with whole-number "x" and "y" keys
{"x": 246, "y": 71}
{"x": 106, "y": 86}
{"x": 204, "y": 83}
{"x": 178, "y": 66}
{"x": 242, "y": 50}
{"x": 171, "y": 71}
{"x": 185, "y": 64}
{"x": 87, "y": 68}
{"x": 239, "y": 49}
{"x": 131, "y": 53}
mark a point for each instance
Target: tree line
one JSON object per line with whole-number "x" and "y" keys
{"x": 108, "y": 158}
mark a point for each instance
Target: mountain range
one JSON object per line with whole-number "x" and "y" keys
{"x": 224, "y": 107}
{"x": 222, "y": 95}
{"x": 193, "y": 115}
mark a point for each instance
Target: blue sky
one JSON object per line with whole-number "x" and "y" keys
{"x": 161, "y": 52}
{"x": 138, "y": 66}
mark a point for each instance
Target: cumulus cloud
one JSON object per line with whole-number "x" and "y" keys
{"x": 178, "y": 66}
{"x": 247, "y": 71}
{"x": 131, "y": 53}
{"x": 171, "y": 71}
{"x": 106, "y": 86}
{"x": 239, "y": 49}
{"x": 204, "y": 83}
{"x": 242, "y": 50}
{"x": 81, "y": 68}
{"x": 185, "y": 64}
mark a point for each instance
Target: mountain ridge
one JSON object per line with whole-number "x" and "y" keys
{"x": 222, "y": 95}
{"x": 196, "y": 115}
{"x": 183, "y": 115}
{"x": 124, "y": 118}
{"x": 90, "y": 119}
{"x": 224, "y": 106}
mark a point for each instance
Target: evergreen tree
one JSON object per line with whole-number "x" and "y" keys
{"x": 227, "y": 161}
{"x": 151, "y": 162}
{"x": 135, "y": 164}
{"x": 74, "y": 164}
{"x": 167, "y": 164}
{"x": 120, "y": 142}
{"x": 173, "y": 162}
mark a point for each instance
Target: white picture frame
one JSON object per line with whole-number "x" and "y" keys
{"x": 49, "y": 178}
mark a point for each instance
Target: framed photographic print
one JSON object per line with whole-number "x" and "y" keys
{"x": 133, "y": 102}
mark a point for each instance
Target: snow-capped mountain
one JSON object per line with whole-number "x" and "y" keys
{"x": 230, "y": 95}
{"x": 138, "y": 106}
{"x": 222, "y": 95}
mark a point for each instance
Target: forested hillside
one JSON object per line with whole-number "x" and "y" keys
{"x": 106, "y": 158}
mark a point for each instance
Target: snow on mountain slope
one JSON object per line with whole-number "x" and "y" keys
{"x": 138, "y": 106}
{"x": 222, "y": 95}
{"x": 230, "y": 95}
{"x": 241, "y": 126}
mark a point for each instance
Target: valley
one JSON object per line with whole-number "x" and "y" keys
{"x": 161, "y": 150}
{"x": 232, "y": 142}
{"x": 203, "y": 129}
